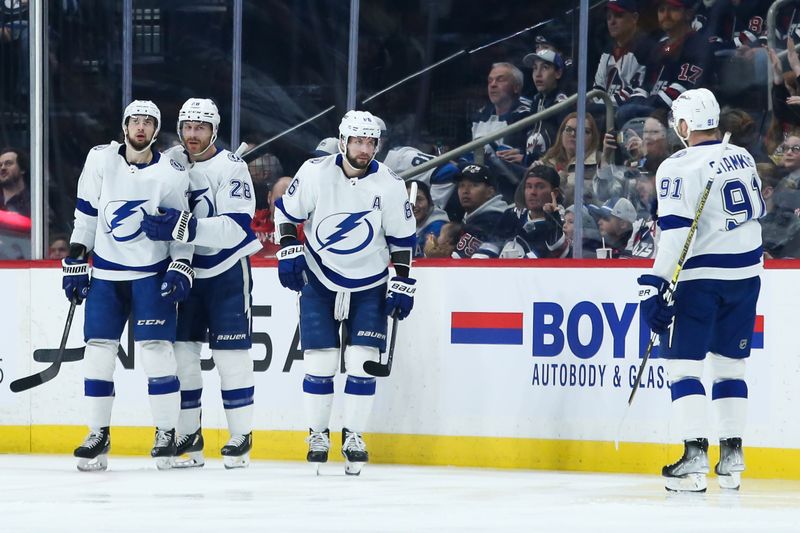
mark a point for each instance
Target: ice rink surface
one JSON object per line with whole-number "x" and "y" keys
{"x": 47, "y": 493}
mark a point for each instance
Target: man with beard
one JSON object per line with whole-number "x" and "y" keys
{"x": 222, "y": 206}
{"x": 356, "y": 217}
{"x": 130, "y": 275}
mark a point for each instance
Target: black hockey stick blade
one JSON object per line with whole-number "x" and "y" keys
{"x": 375, "y": 368}
{"x": 49, "y": 355}
{"x": 51, "y": 371}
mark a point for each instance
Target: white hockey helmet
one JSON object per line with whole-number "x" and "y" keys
{"x": 358, "y": 124}
{"x": 698, "y": 108}
{"x": 200, "y": 110}
{"x": 141, "y": 107}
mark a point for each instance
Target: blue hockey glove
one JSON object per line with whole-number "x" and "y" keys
{"x": 400, "y": 299}
{"x": 170, "y": 224}
{"x": 177, "y": 282}
{"x": 75, "y": 281}
{"x": 655, "y": 304}
{"x": 292, "y": 265}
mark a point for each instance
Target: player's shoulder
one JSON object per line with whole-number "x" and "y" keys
{"x": 386, "y": 173}
{"x": 316, "y": 166}
{"x": 228, "y": 158}
{"x": 102, "y": 151}
{"x": 166, "y": 162}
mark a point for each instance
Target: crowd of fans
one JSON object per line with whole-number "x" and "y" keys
{"x": 516, "y": 197}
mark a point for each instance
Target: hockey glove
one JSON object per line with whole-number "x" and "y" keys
{"x": 655, "y": 303}
{"x": 170, "y": 224}
{"x": 177, "y": 282}
{"x": 292, "y": 265}
{"x": 400, "y": 299}
{"x": 75, "y": 281}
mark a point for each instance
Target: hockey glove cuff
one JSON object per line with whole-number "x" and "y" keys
{"x": 177, "y": 282}
{"x": 400, "y": 298}
{"x": 75, "y": 280}
{"x": 656, "y": 303}
{"x": 170, "y": 224}
{"x": 292, "y": 265}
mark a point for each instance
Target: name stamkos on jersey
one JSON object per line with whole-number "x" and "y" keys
{"x": 179, "y": 167}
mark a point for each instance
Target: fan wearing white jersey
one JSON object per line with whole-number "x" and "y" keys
{"x": 218, "y": 308}
{"x": 713, "y": 308}
{"x": 130, "y": 275}
{"x": 356, "y": 217}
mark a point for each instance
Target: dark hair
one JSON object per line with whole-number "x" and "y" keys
{"x": 22, "y": 159}
{"x": 545, "y": 172}
{"x": 423, "y": 188}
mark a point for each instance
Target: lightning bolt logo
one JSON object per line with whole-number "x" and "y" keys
{"x": 120, "y": 215}
{"x": 195, "y": 197}
{"x": 344, "y": 229}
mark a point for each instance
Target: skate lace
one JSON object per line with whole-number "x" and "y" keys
{"x": 93, "y": 439}
{"x": 162, "y": 438}
{"x": 318, "y": 441}
{"x": 354, "y": 442}
{"x": 183, "y": 439}
{"x": 237, "y": 440}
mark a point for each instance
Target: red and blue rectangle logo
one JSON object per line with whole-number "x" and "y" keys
{"x": 486, "y": 328}
{"x": 758, "y": 333}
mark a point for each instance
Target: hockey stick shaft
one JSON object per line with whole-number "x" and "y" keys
{"x": 682, "y": 258}
{"x": 375, "y": 368}
{"x": 51, "y": 371}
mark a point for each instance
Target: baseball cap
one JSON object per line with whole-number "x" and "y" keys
{"x": 545, "y": 172}
{"x": 477, "y": 174}
{"x": 623, "y": 6}
{"x": 621, "y": 208}
{"x": 327, "y": 146}
{"x": 544, "y": 55}
{"x": 685, "y": 4}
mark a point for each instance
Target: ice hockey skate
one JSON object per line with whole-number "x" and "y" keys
{"x": 164, "y": 448}
{"x": 236, "y": 453}
{"x": 731, "y": 463}
{"x": 190, "y": 446}
{"x": 354, "y": 451}
{"x": 93, "y": 453}
{"x": 688, "y": 474}
{"x": 319, "y": 442}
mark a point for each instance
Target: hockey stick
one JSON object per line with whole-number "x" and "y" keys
{"x": 674, "y": 281}
{"x": 51, "y": 371}
{"x": 375, "y": 368}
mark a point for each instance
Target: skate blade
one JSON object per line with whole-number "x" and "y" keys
{"x": 687, "y": 483}
{"x": 730, "y": 482}
{"x": 189, "y": 460}
{"x": 98, "y": 464}
{"x": 240, "y": 461}
{"x": 165, "y": 463}
{"x": 353, "y": 469}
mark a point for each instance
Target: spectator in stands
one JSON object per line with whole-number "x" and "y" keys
{"x": 429, "y": 218}
{"x": 790, "y": 162}
{"x": 561, "y": 156}
{"x": 547, "y": 68}
{"x": 59, "y": 247}
{"x": 744, "y": 132}
{"x": 445, "y": 244}
{"x": 682, "y": 60}
{"x": 591, "y": 233}
{"x": 621, "y": 70}
{"x": 264, "y": 170}
{"x": 785, "y": 100}
{"x": 536, "y": 232}
{"x": 616, "y": 220}
{"x": 263, "y": 223}
{"x": 648, "y": 151}
{"x": 15, "y": 195}
{"x": 780, "y": 227}
{"x": 483, "y": 209}
{"x": 506, "y": 106}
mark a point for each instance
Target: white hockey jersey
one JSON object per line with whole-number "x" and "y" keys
{"x": 351, "y": 225}
{"x": 402, "y": 158}
{"x": 221, "y": 197}
{"x": 727, "y": 244}
{"x": 113, "y": 196}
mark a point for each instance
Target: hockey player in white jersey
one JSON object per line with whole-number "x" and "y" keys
{"x": 356, "y": 217}
{"x": 218, "y": 308}
{"x": 712, "y": 311}
{"x": 130, "y": 275}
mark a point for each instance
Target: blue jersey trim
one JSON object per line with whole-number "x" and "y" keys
{"x": 342, "y": 281}
{"x": 687, "y": 387}
{"x": 279, "y": 205}
{"x": 746, "y": 259}
{"x": 156, "y": 157}
{"x": 243, "y": 219}
{"x": 86, "y": 208}
{"x": 674, "y": 222}
{"x": 372, "y": 168}
{"x": 406, "y": 242}
{"x": 210, "y": 261}
{"x": 103, "y": 264}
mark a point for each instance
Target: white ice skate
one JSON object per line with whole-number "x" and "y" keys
{"x": 93, "y": 453}
{"x": 236, "y": 453}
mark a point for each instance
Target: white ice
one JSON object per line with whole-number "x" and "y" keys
{"x": 47, "y": 493}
